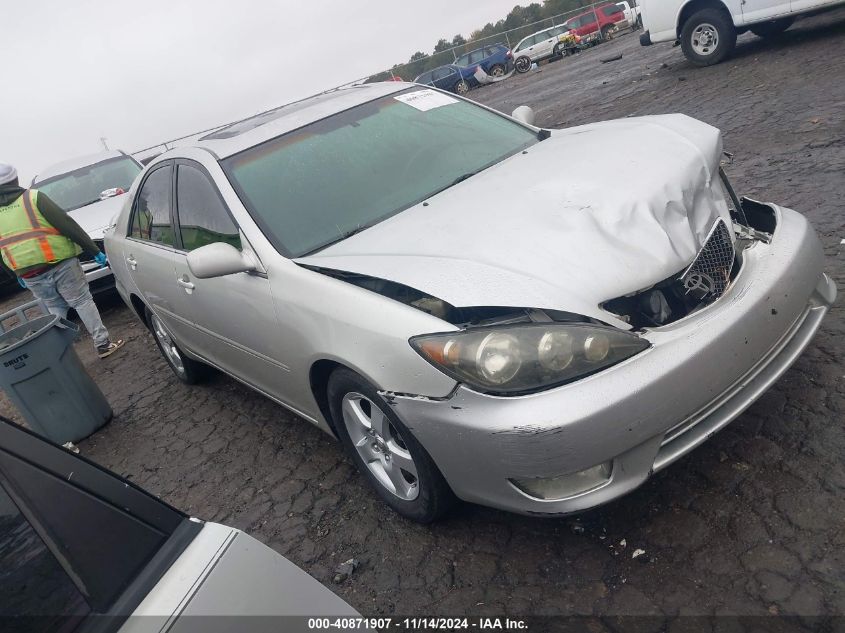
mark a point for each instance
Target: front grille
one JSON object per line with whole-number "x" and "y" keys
{"x": 711, "y": 268}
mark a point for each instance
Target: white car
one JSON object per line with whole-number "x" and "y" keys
{"x": 541, "y": 45}
{"x": 363, "y": 258}
{"x": 707, "y": 30}
{"x": 90, "y": 189}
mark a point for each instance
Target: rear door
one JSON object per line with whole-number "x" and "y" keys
{"x": 525, "y": 47}
{"x": 545, "y": 45}
{"x": 149, "y": 249}
{"x": 233, "y": 317}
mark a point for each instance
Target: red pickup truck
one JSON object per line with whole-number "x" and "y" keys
{"x": 607, "y": 18}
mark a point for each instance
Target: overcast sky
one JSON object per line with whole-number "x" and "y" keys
{"x": 143, "y": 72}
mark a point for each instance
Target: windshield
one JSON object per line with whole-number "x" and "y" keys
{"x": 83, "y": 186}
{"x": 316, "y": 185}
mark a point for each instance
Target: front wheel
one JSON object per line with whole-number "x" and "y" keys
{"x": 497, "y": 71}
{"x": 522, "y": 64}
{"x": 186, "y": 369}
{"x": 708, "y": 37}
{"x": 772, "y": 28}
{"x": 385, "y": 452}
{"x": 608, "y": 32}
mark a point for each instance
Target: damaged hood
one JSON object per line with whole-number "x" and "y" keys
{"x": 96, "y": 217}
{"x": 590, "y": 214}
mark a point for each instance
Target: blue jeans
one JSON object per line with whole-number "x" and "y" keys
{"x": 64, "y": 286}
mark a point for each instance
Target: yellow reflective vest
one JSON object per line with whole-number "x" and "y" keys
{"x": 27, "y": 239}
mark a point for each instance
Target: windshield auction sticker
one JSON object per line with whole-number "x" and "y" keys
{"x": 425, "y": 99}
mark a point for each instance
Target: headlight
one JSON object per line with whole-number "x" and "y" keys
{"x": 510, "y": 360}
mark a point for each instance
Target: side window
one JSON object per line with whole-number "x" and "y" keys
{"x": 32, "y": 582}
{"x": 424, "y": 78}
{"x": 442, "y": 73}
{"x": 203, "y": 218}
{"x": 463, "y": 60}
{"x": 151, "y": 221}
{"x": 476, "y": 56}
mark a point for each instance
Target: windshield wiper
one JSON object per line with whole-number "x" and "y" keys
{"x": 342, "y": 237}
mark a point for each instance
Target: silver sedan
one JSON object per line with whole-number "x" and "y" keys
{"x": 475, "y": 307}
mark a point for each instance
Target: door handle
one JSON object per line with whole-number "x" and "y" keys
{"x": 133, "y": 263}
{"x": 187, "y": 285}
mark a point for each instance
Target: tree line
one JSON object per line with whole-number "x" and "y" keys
{"x": 518, "y": 18}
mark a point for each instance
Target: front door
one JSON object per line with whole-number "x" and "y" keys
{"x": 148, "y": 252}
{"x": 234, "y": 321}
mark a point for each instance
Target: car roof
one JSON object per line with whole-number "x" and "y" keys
{"x": 69, "y": 165}
{"x": 247, "y": 133}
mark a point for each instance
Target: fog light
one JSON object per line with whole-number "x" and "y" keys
{"x": 566, "y": 485}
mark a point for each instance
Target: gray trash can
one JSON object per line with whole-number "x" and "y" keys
{"x": 43, "y": 376}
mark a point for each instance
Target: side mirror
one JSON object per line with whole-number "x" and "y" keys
{"x": 525, "y": 114}
{"x": 218, "y": 260}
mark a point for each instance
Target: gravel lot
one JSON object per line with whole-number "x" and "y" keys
{"x": 751, "y": 523}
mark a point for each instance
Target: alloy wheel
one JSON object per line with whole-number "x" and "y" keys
{"x": 380, "y": 446}
{"x": 522, "y": 64}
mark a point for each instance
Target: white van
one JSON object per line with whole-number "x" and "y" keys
{"x": 707, "y": 29}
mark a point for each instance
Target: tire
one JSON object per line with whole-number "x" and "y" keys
{"x": 497, "y": 71}
{"x": 559, "y": 51}
{"x": 772, "y": 28}
{"x": 708, "y": 37}
{"x": 522, "y": 64}
{"x": 185, "y": 369}
{"x": 357, "y": 410}
{"x": 607, "y": 32}
{"x": 462, "y": 87}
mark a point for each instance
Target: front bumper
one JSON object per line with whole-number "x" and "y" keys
{"x": 700, "y": 373}
{"x": 99, "y": 278}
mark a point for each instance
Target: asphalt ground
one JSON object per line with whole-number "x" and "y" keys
{"x": 750, "y": 524}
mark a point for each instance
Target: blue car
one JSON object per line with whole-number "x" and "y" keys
{"x": 450, "y": 77}
{"x": 494, "y": 59}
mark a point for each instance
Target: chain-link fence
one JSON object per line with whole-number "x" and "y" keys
{"x": 537, "y": 42}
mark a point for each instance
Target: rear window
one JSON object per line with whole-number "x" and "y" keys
{"x": 614, "y": 10}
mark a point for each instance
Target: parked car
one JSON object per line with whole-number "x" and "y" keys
{"x": 90, "y": 189}
{"x": 603, "y": 21}
{"x": 451, "y": 77}
{"x": 459, "y": 335}
{"x": 707, "y": 29}
{"x": 82, "y": 549}
{"x": 553, "y": 42}
{"x": 632, "y": 13}
{"x": 496, "y": 60}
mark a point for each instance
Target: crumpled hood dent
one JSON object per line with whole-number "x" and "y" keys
{"x": 590, "y": 214}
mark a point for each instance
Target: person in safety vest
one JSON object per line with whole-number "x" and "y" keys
{"x": 40, "y": 243}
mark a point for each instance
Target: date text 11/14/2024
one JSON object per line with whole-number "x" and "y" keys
{"x": 417, "y": 624}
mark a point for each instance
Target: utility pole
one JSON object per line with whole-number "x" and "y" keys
{"x": 103, "y": 141}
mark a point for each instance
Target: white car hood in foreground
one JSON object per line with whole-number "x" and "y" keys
{"x": 590, "y": 214}
{"x": 98, "y": 216}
